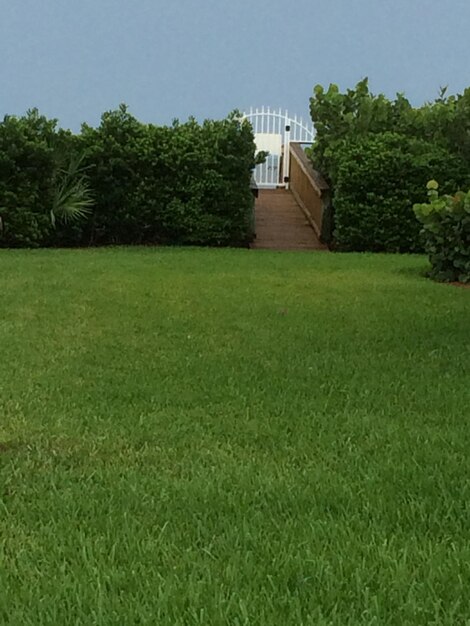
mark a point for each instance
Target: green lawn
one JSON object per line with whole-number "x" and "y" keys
{"x": 232, "y": 438}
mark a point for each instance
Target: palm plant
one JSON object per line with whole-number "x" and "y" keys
{"x": 73, "y": 198}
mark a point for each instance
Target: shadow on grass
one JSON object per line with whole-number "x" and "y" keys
{"x": 416, "y": 272}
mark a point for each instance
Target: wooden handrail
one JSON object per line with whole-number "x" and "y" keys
{"x": 309, "y": 188}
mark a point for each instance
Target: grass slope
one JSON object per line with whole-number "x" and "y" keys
{"x": 229, "y": 437}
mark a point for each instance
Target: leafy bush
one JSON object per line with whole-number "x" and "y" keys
{"x": 378, "y": 178}
{"x": 29, "y": 150}
{"x": 346, "y": 116}
{"x": 119, "y": 160}
{"x": 128, "y": 182}
{"x": 446, "y": 231}
{"x": 377, "y": 155}
{"x": 184, "y": 184}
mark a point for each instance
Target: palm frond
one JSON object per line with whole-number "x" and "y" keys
{"x": 73, "y": 198}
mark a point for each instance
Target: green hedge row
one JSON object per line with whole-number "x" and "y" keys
{"x": 379, "y": 179}
{"x": 128, "y": 182}
{"x": 378, "y": 154}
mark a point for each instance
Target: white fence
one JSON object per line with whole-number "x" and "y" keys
{"x": 274, "y": 131}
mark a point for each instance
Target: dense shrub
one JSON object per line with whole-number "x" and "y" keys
{"x": 119, "y": 157}
{"x": 377, "y": 155}
{"x": 31, "y": 151}
{"x": 184, "y": 184}
{"x": 207, "y": 182}
{"x": 446, "y": 231}
{"x": 378, "y": 178}
{"x": 340, "y": 117}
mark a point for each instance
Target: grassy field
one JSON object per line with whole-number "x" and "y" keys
{"x": 232, "y": 438}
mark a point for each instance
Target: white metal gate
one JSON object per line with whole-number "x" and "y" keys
{"x": 274, "y": 131}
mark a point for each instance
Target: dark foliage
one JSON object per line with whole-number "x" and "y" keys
{"x": 184, "y": 184}
{"x": 377, "y": 154}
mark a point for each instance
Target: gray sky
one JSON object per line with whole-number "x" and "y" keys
{"x": 74, "y": 59}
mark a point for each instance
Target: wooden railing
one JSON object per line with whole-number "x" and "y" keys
{"x": 310, "y": 190}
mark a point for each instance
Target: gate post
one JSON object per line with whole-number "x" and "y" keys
{"x": 286, "y": 159}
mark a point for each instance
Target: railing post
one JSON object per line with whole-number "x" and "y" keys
{"x": 286, "y": 168}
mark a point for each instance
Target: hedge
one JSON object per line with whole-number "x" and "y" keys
{"x": 377, "y": 155}
{"x": 30, "y": 148}
{"x": 378, "y": 180}
{"x": 188, "y": 183}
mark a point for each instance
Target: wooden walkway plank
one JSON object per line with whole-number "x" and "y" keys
{"x": 281, "y": 224}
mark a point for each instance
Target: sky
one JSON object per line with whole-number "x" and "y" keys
{"x": 75, "y": 59}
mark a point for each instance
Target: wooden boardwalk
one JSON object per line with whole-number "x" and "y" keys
{"x": 281, "y": 224}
